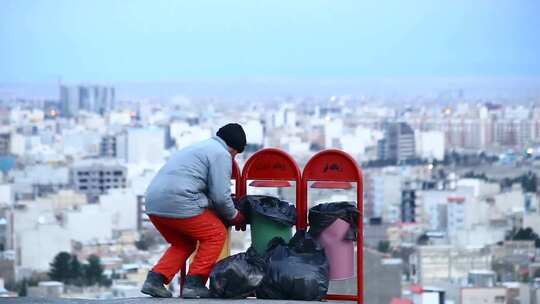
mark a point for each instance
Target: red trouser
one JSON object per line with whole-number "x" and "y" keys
{"x": 183, "y": 234}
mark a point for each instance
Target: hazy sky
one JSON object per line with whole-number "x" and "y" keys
{"x": 105, "y": 40}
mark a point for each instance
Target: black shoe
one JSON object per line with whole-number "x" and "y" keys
{"x": 153, "y": 286}
{"x": 194, "y": 288}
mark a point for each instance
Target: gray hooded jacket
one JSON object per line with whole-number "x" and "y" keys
{"x": 194, "y": 178}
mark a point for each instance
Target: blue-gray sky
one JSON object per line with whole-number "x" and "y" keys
{"x": 108, "y": 40}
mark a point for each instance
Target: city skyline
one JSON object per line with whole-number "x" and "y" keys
{"x": 514, "y": 89}
{"x": 86, "y": 160}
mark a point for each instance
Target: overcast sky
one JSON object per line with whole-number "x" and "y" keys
{"x": 105, "y": 40}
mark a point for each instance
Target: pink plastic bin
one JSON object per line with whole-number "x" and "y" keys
{"x": 340, "y": 252}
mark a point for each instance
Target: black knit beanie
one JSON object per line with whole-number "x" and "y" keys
{"x": 234, "y": 136}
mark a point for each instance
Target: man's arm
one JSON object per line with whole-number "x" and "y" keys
{"x": 219, "y": 186}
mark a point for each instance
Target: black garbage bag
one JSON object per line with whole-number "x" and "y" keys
{"x": 270, "y": 207}
{"x": 237, "y": 276}
{"x": 323, "y": 215}
{"x": 297, "y": 271}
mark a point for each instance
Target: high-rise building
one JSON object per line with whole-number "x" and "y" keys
{"x": 108, "y": 146}
{"x": 398, "y": 144}
{"x": 98, "y": 99}
{"x": 94, "y": 179}
{"x": 69, "y": 101}
{"x": 409, "y": 201}
{"x": 382, "y": 196}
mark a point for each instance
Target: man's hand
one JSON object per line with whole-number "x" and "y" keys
{"x": 239, "y": 222}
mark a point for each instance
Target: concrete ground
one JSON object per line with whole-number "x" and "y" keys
{"x": 148, "y": 300}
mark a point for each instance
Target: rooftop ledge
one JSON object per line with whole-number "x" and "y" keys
{"x": 149, "y": 300}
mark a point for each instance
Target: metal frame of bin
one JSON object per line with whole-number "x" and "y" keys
{"x": 237, "y": 177}
{"x": 337, "y": 166}
{"x": 272, "y": 164}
